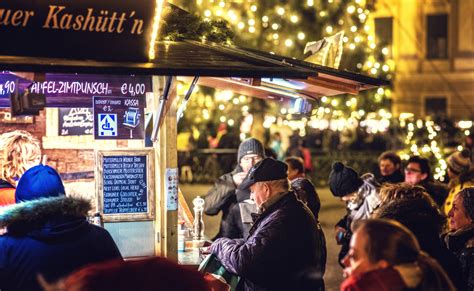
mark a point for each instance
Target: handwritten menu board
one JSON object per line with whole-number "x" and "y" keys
{"x": 125, "y": 187}
{"x": 76, "y": 121}
{"x": 125, "y": 184}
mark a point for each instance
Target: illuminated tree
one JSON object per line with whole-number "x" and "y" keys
{"x": 284, "y": 27}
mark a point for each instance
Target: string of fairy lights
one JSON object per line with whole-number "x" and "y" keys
{"x": 284, "y": 27}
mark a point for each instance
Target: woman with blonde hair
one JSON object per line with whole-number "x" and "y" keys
{"x": 19, "y": 151}
{"x": 385, "y": 255}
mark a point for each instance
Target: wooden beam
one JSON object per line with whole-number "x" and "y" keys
{"x": 241, "y": 88}
{"x": 184, "y": 211}
{"x": 327, "y": 85}
{"x": 166, "y": 157}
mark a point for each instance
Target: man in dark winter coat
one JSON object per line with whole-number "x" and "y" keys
{"x": 361, "y": 195}
{"x": 47, "y": 233}
{"x": 285, "y": 249}
{"x": 225, "y": 196}
{"x": 390, "y": 166}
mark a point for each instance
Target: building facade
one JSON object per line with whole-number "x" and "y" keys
{"x": 432, "y": 45}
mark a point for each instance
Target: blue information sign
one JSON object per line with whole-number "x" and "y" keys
{"x": 119, "y": 117}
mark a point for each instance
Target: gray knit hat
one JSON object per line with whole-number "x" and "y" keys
{"x": 250, "y": 146}
{"x": 459, "y": 162}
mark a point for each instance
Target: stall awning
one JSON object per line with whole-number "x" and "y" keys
{"x": 182, "y": 58}
{"x": 322, "y": 81}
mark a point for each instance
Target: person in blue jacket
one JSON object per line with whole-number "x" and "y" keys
{"x": 47, "y": 233}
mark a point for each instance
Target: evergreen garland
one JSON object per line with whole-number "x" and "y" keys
{"x": 178, "y": 24}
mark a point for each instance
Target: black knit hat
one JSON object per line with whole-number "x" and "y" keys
{"x": 343, "y": 180}
{"x": 250, "y": 146}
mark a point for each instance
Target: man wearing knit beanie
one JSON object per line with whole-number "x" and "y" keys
{"x": 361, "y": 195}
{"x": 48, "y": 233}
{"x": 461, "y": 175}
{"x": 224, "y": 196}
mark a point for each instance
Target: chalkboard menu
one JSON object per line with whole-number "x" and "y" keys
{"x": 76, "y": 121}
{"x": 125, "y": 186}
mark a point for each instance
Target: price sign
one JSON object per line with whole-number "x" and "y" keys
{"x": 9, "y": 84}
{"x": 79, "y": 88}
{"x": 133, "y": 89}
{"x": 7, "y": 87}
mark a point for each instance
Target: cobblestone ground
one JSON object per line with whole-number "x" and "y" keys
{"x": 331, "y": 211}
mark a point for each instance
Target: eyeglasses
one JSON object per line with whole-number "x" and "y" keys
{"x": 411, "y": 170}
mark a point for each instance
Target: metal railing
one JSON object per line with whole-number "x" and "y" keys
{"x": 204, "y": 166}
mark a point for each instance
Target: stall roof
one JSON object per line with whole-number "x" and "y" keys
{"x": 192, "y": 58}
{"x": 325, "y": 71}
{"x": 322, "y": 81}
{"x": 181, "y": 58}
{"x": 218, "y": 67}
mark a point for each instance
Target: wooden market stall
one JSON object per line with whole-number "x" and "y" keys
{"x": 125, "y": 62}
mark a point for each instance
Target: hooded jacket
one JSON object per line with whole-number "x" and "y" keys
{"x": 285, "y": 250}
{"x": 426, "y": 222}
{"x": 52, "y": 237}
{"x": 367, "y": 201}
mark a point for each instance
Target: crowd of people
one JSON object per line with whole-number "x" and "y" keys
{"x": 402, "y": 231}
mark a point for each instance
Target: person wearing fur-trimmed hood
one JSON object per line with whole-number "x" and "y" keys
{"x": 48, "y": 233}
{"x": 361, "y": 195}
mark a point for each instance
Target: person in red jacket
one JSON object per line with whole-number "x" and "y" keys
{"x": 384, "y": 255}
{"x": 159, "y": 274}
{"x": 19, "y": 151}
